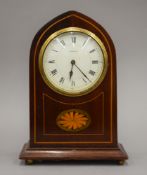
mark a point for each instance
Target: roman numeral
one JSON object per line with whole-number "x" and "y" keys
{"x": 51, "y": 61}
{"x": 62, "y": 80}
{"x": 54, "y": 72}
{"x": 91, "y": 50}
{"x": 73, "y": 83}
{"x": 91, "y": 72}
{"x": 62, "y": 42}
{"x": 73, "y": 39}
{"x": 94, "y": 61}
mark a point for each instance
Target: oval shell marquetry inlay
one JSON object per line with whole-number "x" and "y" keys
{"x": 73, "y": 120}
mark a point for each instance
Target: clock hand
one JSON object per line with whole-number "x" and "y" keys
{"x": 82, "y": 72}
{"x": 71, "y": 72}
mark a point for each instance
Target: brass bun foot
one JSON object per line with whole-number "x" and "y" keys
{"x": 29, "y": 162}
{"x": 121, "y": 162}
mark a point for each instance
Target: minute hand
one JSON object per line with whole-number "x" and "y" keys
{"x": 82, "y": 72}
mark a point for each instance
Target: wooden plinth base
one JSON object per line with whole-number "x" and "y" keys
{"x": 30, "y": 154}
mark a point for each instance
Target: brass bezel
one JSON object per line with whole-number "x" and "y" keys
{"x": 73, "y": 29}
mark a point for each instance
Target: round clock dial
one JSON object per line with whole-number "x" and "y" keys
{"x": 73, "y": 61}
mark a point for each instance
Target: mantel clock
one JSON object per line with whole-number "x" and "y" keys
{"x": 73, "y": 107}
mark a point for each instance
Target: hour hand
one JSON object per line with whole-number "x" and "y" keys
{"x": 70, "y": 74}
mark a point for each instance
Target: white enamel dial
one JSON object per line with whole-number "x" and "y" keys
{"x": 73, "y": 62}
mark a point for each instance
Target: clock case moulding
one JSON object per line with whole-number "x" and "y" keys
{"x": 72, "y": 146}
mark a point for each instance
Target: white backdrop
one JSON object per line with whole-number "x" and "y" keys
{"x": 126, "y": 22}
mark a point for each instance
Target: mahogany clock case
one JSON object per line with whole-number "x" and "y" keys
{"x": 47, "y": 140}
